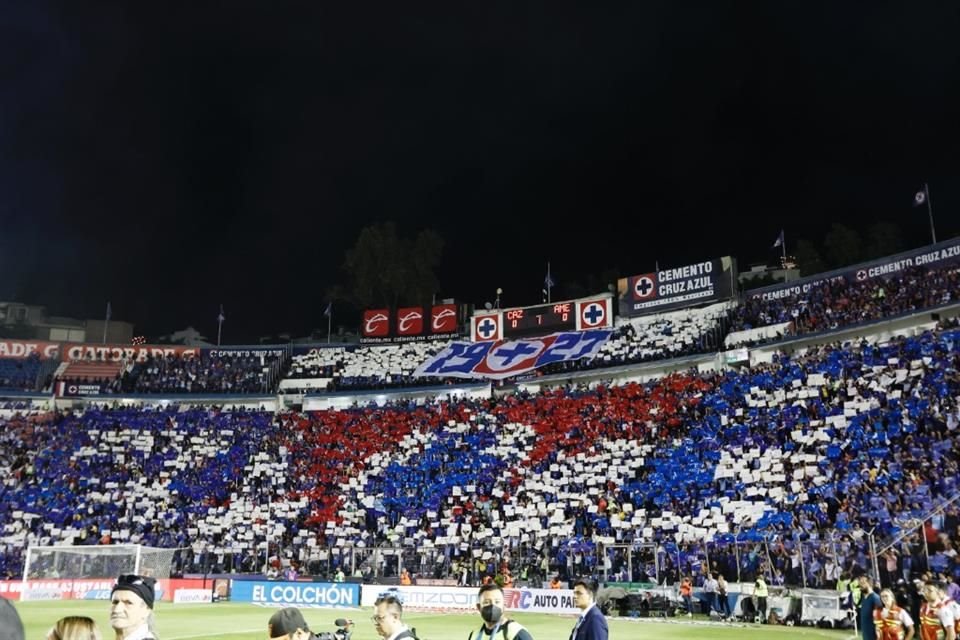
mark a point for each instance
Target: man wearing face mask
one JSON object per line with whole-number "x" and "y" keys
{"x": 496, "y": 626}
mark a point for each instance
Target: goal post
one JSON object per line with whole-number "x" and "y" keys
{"x": 84, "y": 571}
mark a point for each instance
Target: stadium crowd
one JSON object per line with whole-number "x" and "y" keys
{"x": 835, "y": 303}
{"x": 777, "y": 469}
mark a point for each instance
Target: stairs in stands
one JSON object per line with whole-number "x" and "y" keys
{"x": 85, "y": 369}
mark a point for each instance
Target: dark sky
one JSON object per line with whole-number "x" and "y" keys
{"x": 173, "y": 156}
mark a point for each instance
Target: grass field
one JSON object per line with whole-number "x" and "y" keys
{"x": 233, "y": 621}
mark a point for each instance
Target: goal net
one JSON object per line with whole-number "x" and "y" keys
{"x": 88, "y": 572}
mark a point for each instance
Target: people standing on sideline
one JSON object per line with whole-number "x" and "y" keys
{"x": 892, "y": 622}
{"x": 288, "y": 624}
{"x": 869, "y": 603}
{"x": 388, "y": 617}
{"x": 686, "y": 594}
{"x": 710, "y": 587}
{"x": 723, "y": 601}
{"x": 496, "y": 626}
{"x": 591, "y": 625}
{"x": 939, "y": 616}
{"x": 760, "y": 592}
{"x": 131, "y": 608}
{"x": 74, "y": 628}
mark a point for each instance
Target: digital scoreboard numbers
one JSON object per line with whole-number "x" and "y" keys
{"x": 539, "y": 320}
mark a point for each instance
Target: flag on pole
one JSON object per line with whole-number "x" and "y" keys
{"x": 548, "y": 281}
{"x": 221, "y": 317}
{"x": 108, "y": 311}
{"x": 328, "y": 310}
{"x": 779, "y": 241}
{"x": 920, "y": 197}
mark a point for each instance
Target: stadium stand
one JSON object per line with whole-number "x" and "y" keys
{"x": 836, "y": 304}
{"x": 750, "y": 470}
{"x": 21, "y": 374}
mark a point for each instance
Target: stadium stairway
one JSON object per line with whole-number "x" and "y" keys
{"x": 81, "y": 369}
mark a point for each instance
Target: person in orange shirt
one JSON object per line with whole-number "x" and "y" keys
{"x": 555, "y": 583}
{"x": 405, "y": 578}
{"x": 892, "y": 622}
{"x": 686, "y": 594}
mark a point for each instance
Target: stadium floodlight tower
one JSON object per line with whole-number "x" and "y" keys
{"x": 44, "y": 564}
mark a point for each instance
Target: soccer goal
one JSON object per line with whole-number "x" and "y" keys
{"x": 85, "y": 571}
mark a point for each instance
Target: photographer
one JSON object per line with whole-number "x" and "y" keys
{"x": 288, "y": 624}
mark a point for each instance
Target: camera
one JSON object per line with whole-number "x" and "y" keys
{"x": 343, "y": 632}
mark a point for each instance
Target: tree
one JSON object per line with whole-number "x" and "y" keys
{"x": 808, "y": 258}
{"x": 842, "y": 246}
{"x": 883, "y": 239}
{"x": 384, "y": 269}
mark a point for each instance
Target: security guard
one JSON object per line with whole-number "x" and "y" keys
{"x": 495, "y": 625}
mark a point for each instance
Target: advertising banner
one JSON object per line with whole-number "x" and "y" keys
{"x": 296, "y": 594}
{"x": 676, "y": 288}
{"x": 932, "y": 256}
{"x": 116, "y": 353}
{"x": 505, "y": 358}
{"x": 465, "y": 598}
{"x": 409, "y": 324}
{"x": 79, "y": 589}
{"x": 540, "y": 600}
{"x": 23, "y": 349}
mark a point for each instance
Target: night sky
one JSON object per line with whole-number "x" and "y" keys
{"x": 170, "y": 157}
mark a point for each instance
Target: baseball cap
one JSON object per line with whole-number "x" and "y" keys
{"x": 286, "y": 621}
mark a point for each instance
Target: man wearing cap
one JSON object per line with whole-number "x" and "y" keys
{"x": 288, "y": 624}
{"x": 131, "y": 608}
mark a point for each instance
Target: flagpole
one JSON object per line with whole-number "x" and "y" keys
{"x": 783, "y": 247}
{"x": 329, "y": 320}
{"x": 549, "y": 282}
{"x": 219, "y": 325}
{"x": 106, "y": 323}
{"x": 933, "y": 232}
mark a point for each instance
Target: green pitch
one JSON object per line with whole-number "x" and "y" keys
{"x": 232, "y": 621}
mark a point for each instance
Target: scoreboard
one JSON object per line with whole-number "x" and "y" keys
{"x": 524, "y": 322}
{"x": 582, "y": 314}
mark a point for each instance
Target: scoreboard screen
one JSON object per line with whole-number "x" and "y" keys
{"x": 541, "y": 320}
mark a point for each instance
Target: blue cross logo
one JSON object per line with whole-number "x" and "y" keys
{"x": 486, "y": 328}
{"x": 643, "y": 286}
{"x": 516, "y": 351}
{"x": 594, "y": 314}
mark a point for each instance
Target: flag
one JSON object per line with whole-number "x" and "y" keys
{"x": 108, "y": 312}
{"x": 328, "y": 310}
{"x": 779, "y": 241}
{"x": 548, "y": 281}
{"x": 920, "y": 197}
{"x": 221, "y": 317}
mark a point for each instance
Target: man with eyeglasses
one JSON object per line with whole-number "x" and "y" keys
{"x": 131, "y": 608}
{"x": 288, "y": 624}
{"x": 388, "y": 618}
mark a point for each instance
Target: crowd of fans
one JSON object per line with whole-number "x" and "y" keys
{"x": 778, "y": 469}
{"x": 838, "y": 303}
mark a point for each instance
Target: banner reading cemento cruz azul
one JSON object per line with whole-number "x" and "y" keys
{"x": 296, "y": 594}
{"x": 934, "y": 256}
{"x": 676, "y": 288}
